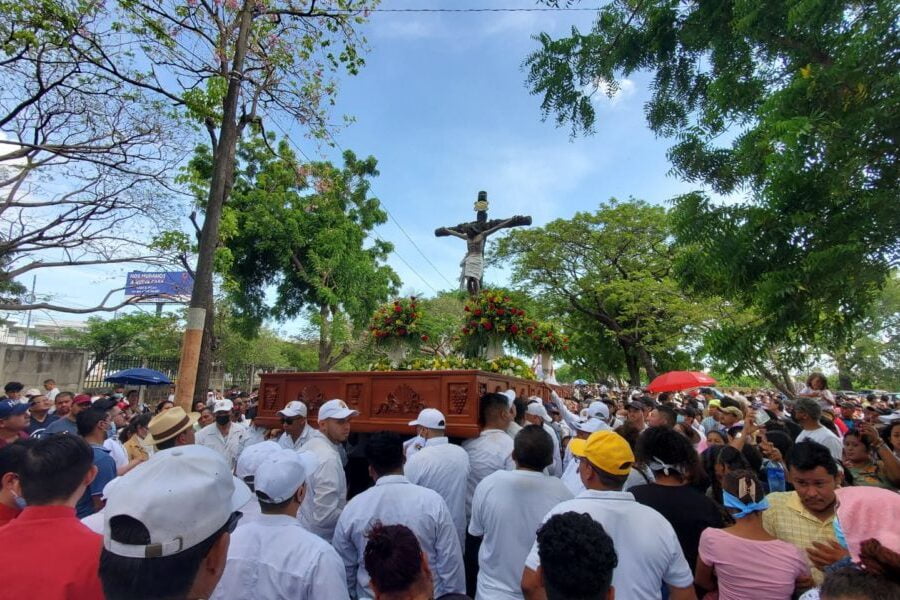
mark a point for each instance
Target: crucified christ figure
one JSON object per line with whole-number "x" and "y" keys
{"x": 475, "y": 233}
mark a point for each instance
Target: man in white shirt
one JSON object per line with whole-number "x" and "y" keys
{"x": 293, "y": 423}
{"x": 223, "y": 436}
{"x": 320, "y": 513}
{"x": 394, "y": 500}
{"x": 536, "y": 414}
{"x": 596, "y": 410}
{"x": 507, "y": 509}
{"x": 251, "y": 457}
{"x": 273, "y": 556}
{"x": 440, "y": 466}
{"x": 52, "y": 390}
{"x": 571, "y": 477}
{"x": 648, "y": 549}
{"x": 491, "y": 451}
{"x": 807, "y": 412}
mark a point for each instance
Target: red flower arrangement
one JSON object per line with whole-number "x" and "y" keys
{"x": 491, "y": 315}
{"x": 544, "y": 337}
{"x": 397, "y": 321}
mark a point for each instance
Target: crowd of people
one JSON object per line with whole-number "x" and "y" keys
{"x": 611, "y": 493}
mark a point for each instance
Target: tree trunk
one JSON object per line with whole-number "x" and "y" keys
{"x": 845, "y": 377}
{"x": 223, "y": 173}
{"x": 631, "y": 363}
{"x": 784, "y": 387}
{"x": 204, "y": 365}
{"x": 324, "y": 341}
{"x": 646, "y": 362}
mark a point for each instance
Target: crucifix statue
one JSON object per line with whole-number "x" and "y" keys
{"x": 475, "y": 233}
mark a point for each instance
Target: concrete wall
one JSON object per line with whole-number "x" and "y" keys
{"x": 33, "y": 364}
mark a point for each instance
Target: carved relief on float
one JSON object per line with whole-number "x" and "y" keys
{"x": 402, "y": 400}
{"x": 312, "y": 397}
{"x": 270, "y": 393}
{"x": 458, "y": 394}
{"x": 354, "y": 393}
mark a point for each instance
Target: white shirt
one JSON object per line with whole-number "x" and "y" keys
{"x": 116, "y": 451}
{"x": 395, "y": 501}
{"x": 249, "y": 512}
{"x": 512, "y": 429}
{"x": 229, "y": 446}
{"x": 648, "y": 550}
{"x": 571, "y": 478}
{"x": 556, "y": 468}
{"x": 489, "y": 452}
{"x": 413, "y": 445}
{"x": 326, "y": 491}
{"x": 286, "y": 441}
{"x": 275, "y": 558}
{"x": 444, "y": 468}
{"x": 826, "y": 437}
{"x": 51, "y": 395}
{"x": 507, "y": 510}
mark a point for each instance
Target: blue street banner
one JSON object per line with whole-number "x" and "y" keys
{"x": 171, "y": 286}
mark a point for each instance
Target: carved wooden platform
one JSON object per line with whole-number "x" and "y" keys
{"x": 390, "y": 400}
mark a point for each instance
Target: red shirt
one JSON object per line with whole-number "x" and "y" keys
{"x": 7, "y": 514}
{"x": 69, "y": 556}
{"x": 22, "y": 436}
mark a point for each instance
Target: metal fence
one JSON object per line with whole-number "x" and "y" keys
{"x": 245, "y": 377}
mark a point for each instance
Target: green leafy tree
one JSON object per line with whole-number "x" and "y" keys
{"x": 134, "y": 334}
{"x": 793, "y": 105}
{"x": 303, "y": 228}
{"x": 614, "y": 268}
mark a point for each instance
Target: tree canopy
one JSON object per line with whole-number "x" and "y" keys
{"x": 793, "y": 107}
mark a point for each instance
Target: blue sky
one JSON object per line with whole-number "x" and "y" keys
{"x": 442, "y": 105}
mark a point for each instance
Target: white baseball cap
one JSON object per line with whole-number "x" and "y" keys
{"x": 294, "y": 408}
{"x": 162, "y": 494}
{"x": 281, "y": 474}
{"x": 598, "y": 409}
{"x": 336, "y": 409}
{"x": 223, "y": 405}
{"x": 430, "y": 418}
{"x": 590, "y": 425}
{"x": 252, "y": 456}
{"x": 537, "y": 409}
{"x": 511, "y": 397}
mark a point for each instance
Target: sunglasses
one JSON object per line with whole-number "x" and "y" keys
{"x": 287, "y": 420}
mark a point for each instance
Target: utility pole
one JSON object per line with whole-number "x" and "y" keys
{"x": 30, "y": 301}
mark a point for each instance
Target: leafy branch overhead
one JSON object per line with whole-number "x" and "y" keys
{"x": 792, "y": 107}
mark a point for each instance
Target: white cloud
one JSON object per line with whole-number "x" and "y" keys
{"x": 604, "y": 91}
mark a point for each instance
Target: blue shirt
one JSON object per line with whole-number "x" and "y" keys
{"x": 62, "y": 425}
{"x": 106, "y": 472}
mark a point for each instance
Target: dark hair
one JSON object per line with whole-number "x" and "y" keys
{"x": 267, "y": 507}
{"x": 854, "y": 433}
{"x": 670, "y": 447}
{"x": 533, "y": 448}
{"x": 886, "y": 434}
{"x": 690, "y": 411}
{"x": 127, "y": 578}
{"x": 54, "y": 468}
{"x": 817, "y": 375}
{"x": 13, "y": 386}
{"x": 12, "y": 456}
{"x": 169, "y": 443}
{"x": 722, "y": 434}
{"x": 132, "y": 393}
{"x": 137, "y": 421}
{"x": 384, "y": 451}
{"x": 732, "y": 484}
{"x": 393, "y": 557}
{"x": 668, "y": 415}
{"x": 521, "y": 406}
{"x": 851, "y": 583}
{"x": 491, "y": 403}
{"x": 87, "y": 420}
{"x": 781, "y": 440}
{"x": 70, "y": 395}
{"x": 732, "y": 458}
{"x": 577, "y": 557}
{"x": 727, "y": 401}
{"x": 159, "y": 406}
{"x": 629, "y": 433}
{"x": 807, "y": 455}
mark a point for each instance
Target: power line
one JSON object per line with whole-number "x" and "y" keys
{"x": 400, "y": 227}
{"x": 393, "y": 249}
{"x": 467, "y": 10}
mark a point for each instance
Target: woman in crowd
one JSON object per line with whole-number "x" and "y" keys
{"x": 716, "y": 438}
{"x": 868, "y": 460}
{"x": 817, "y": 387}
{"x": 743, "y": 560}
{"x": 675, "y": 465}
{"x": 163, "y": 406}
{"x": 136, "y": 441}
{"x": 890, "y": 435}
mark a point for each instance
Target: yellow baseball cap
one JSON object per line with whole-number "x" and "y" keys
{"x": 606, "y": 450}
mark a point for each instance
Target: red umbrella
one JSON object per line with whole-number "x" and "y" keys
{"x": 675, "y": 381}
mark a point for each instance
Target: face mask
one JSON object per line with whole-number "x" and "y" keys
{"x": 223, "y": 419}
{"x": 20, "y": 501}
{"x": 679, "y": 419}
{"x": 839, "y": 533}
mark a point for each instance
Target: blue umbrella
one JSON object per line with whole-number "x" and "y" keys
{"x": 139, "y": 376}
{"x": 580, "y": 382}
